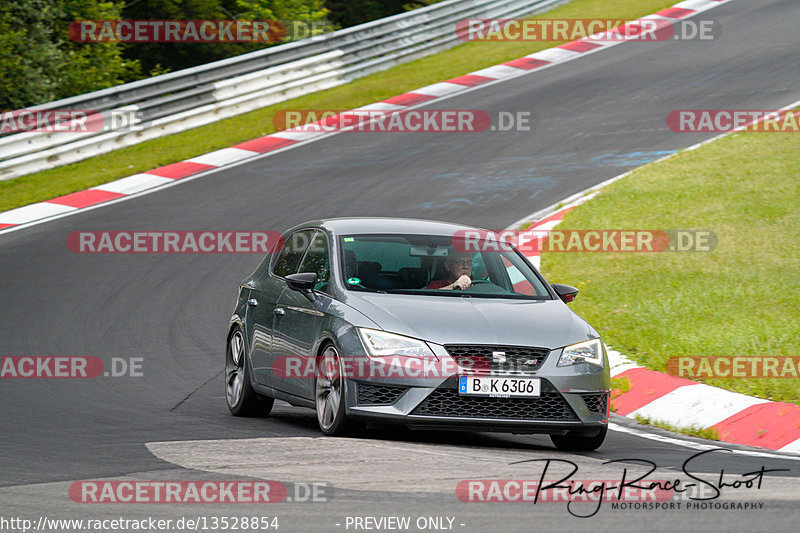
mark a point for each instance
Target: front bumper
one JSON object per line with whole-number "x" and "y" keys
{"x": 573, "y": 398}
{"x": 443, "y": 407}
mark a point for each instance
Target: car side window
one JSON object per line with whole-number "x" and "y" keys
{"x": 317, "y": 260}
{"x": 293, "y": 248}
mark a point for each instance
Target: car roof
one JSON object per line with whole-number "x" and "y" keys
{"x": 378, "y": 225}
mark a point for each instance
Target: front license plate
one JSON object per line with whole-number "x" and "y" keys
{"x": 505, "y": 387}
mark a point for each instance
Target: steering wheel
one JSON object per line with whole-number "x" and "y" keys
{"x": 481, "y": 286}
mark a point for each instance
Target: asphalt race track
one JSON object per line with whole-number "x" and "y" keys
{"x": 593, "y": 118}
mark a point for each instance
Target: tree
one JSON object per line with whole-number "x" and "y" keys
{"x": 38, "y": 62}
{"x": 90, "y": 67}
{"x": 176, "y": 56}
{"x": 346, "y": 13}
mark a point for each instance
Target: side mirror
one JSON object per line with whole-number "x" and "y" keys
{"x": 303, "y": 282}
{"x": 565, "y": 292}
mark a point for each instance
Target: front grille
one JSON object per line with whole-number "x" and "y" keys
{"x": 497, "y": 358}
{"x": 446, "y": 401}
{"x": 370, "y": 394}
{"x": 596, "y": 401}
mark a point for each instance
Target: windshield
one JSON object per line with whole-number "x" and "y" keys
{"x": 436, "y": 265}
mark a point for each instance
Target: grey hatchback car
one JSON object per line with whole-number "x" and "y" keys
{"x": 426, "y": 324}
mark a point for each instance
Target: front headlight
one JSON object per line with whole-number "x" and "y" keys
{"x": 383, "y": 344}
{"x": 584, "y": 352}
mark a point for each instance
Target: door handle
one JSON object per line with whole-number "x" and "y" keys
{"x": 279, "y": 311}
{"x": 252, "y": 302}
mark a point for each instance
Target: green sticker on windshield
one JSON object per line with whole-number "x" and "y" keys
{"x": 349, "y": 239}
{"x": 353, "y": 281}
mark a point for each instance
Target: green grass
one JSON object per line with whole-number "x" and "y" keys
{"x": 618, "y": 386}
{"x": 694, "y": 431}
{"x": 741, "y": 299}
{"x": 455, "y": 62}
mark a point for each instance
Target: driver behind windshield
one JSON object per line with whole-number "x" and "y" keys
{"x": 458, "y": 269}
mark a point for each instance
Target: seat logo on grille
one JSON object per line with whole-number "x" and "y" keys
{"x": 498, "y": 357}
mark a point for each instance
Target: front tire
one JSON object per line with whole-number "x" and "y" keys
{"x": 242, "y": 400}
{"x": 329, "y": 393}
{"x": 575, "y": 442}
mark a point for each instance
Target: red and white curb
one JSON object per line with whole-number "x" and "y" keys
{"x": 168, "y": 175}
{"x": 682, "y": 403}
{"x": 737, "y": 418}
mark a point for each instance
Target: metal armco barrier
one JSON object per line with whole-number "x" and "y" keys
{"x": 188, "y": 98}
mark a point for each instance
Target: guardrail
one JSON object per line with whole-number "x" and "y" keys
{"x": 188, "y": 98}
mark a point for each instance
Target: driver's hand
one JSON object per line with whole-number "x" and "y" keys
{"x": 462, "y": 283}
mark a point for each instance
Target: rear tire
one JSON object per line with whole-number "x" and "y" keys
{"x": 329, "y": 395}
{"x": 575, "y": 442}
{"x": 242, "y": 400}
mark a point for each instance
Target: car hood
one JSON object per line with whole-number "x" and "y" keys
{"x": 453, "y": 320}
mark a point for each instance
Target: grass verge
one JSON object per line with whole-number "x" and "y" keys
{"x": 618, "y": 386}
{"x": 452, "y": 63}
{"x": 694, "y": 431}
{"x": 741, "y": 299}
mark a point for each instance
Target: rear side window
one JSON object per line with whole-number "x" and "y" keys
{"x": 293, "y": 248}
